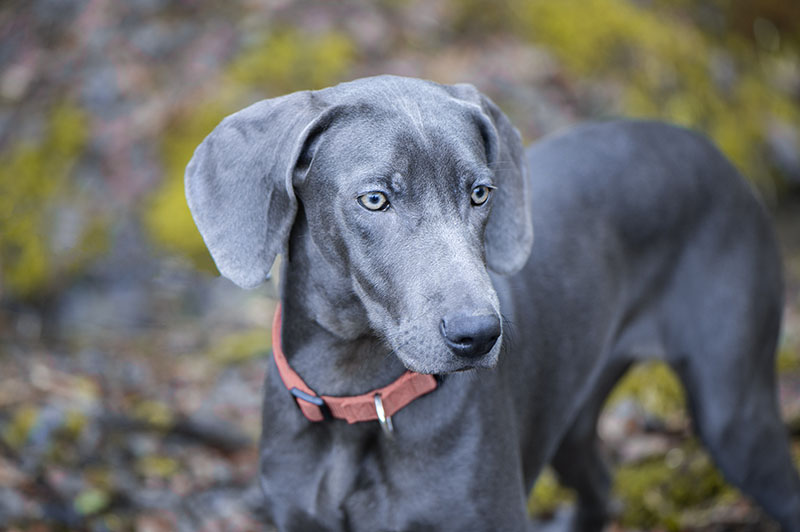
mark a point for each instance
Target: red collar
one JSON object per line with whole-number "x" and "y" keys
{"x": 408, "y": 387}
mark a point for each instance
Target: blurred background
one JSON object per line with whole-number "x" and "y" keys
{"x": 130, "y": 373}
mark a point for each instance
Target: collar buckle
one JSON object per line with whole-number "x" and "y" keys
{"x": 300, "y": 395}
{"x": 385, "y": 421}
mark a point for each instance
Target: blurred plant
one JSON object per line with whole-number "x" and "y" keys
{"x": 281, "y": 62}
{"x": 657, "y": 493}
{"x": 655, "y": 387}
{"x": 157, "y": 466}
{"x": 749, "y": 21}
{"x": 287, "y": 60}
{"x": 15, "y": 433}
{"x": 167, "y": 217}
{"x": 49, "y": 227}
{"x": 240, "y": 346}
{"x": 668, "y": 68}
{"x": 726, "y": 68}
{"x": 548, "y": 494}
{"x": 91, "y": 501}
{"x": 660, "y": 491}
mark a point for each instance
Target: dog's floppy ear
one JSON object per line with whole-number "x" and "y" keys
{"x": 509, "y": 231}
{"x": 239, "y": 183}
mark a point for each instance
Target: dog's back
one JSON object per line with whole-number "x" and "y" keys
{"x": 650, "y": 232}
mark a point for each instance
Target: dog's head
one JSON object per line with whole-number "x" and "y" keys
{"x": 410, "y": 190}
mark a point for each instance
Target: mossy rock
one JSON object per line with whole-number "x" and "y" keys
{"x": 654, "y": 386}
{"x": 36, "y": 186}
{"x": 288, "y": 60}
{"x": 656, "y": 493}
{"x": 166, "y": 216}
{"x": 548, "y": 494}
{"x": 665, "y": 66}
{"x": 788, "y": 359}
{"x": 240, "y": 347}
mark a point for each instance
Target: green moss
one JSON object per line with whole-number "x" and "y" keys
{"x": 655, "y": 387}
{"x": 655, "y": 495}
{"x": 548, "y": 495}
{"x": 91, "y": 501}
{"x": 283, "y": 61}
{"x": 154, "y": 412}
{"x": 788, "y": 359}
{"x": 663, "y": 65}
{"x": 34, "y": 183}
{"x": 167, "y": 216}
{"x": 473, "y": 19}
{"x": 240, "y": 347}
{"x": 658, "y": 492}
{"x": 16, "y": 431}
{"x": 288, "y": 60}
{"x": 157, "y": 466}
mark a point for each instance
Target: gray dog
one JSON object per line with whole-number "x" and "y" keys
{"x": 392, "y": 200}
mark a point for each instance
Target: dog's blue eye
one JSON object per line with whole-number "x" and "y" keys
{"x": 480, "y": 194}
{"x": 374, "y": 201}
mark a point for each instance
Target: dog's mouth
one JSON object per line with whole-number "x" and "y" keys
{"x": 449, "y": 363}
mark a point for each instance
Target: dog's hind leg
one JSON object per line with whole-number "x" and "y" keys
{"x": 579, "y": 463}
{"x": 741, "y": 427}
{"x": 721, "y": 334}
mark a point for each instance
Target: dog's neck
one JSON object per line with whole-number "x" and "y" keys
{"x": 326, "y": 334}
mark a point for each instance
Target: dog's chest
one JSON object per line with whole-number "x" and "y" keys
{"x": 352, "y": 478}
{"x": 333, "y": 484}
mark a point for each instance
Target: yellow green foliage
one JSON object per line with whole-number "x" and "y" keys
{"x": 15, "y": 433}
{"x": 75, "y": 422}
{"x": 665, "y": 66}
{"x": 154, "y": 412}
{"x": 548, "y": 495}
{"x": 282, "y": 62}
{"x": 157, "y": 466}
{"x": 241, "y": 346}
{"x": 655, "y": 387}
{"x": 656, "y": 493}
{"x": 33, "y": 184}
{"x": 788, "y": 359}
{"x": 167, "y": 216}
{"x": 476, "y": 18}
{"x": 91, "y": 501}
{"x": 287, "y": 60}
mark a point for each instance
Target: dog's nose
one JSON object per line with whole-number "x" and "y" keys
{"x": 470, "y": 336}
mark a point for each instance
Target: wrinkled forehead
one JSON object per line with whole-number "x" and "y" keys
{"x": 415, "y": 139}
